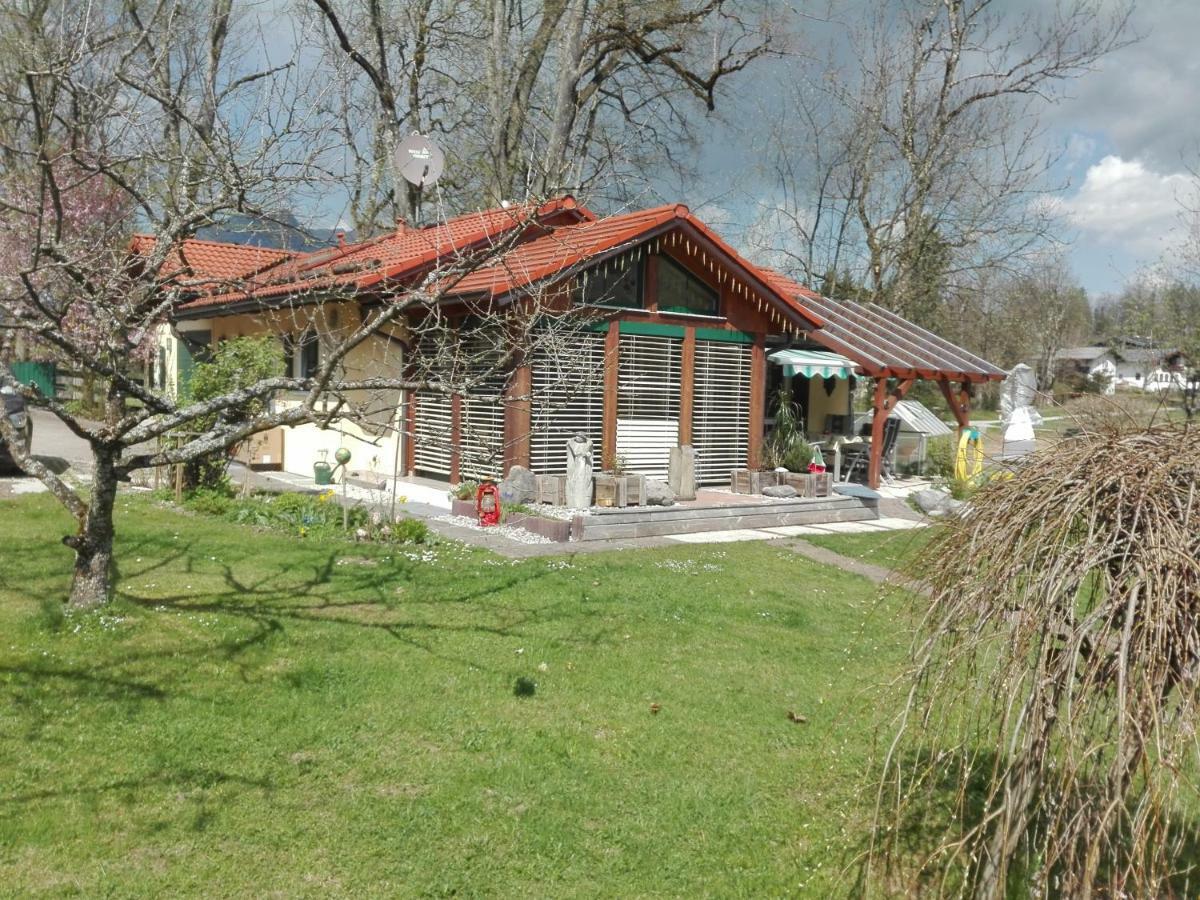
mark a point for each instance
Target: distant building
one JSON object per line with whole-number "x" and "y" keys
{"x": 1127, "y": 361}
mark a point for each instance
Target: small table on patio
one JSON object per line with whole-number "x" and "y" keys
{"x": 836, "y": 444}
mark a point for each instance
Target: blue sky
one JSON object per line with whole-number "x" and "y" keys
{"x": 1131, "y": 139}
{"x": 1127, "y": 135}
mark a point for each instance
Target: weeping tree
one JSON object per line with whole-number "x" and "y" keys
{"x": 1048, "y": 743}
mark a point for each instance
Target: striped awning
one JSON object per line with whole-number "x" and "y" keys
{"x": 810, "y": 363}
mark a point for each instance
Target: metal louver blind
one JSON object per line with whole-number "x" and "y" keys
{"x": 431, "y": 444}
{"x": 648, "y": 402}
{"x": 568, "y": 399}
{"x": 720, "y": 410}
{"x": 482, "y": 448}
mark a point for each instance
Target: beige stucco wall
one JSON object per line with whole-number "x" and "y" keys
{"x": 168, "y": 352}
{"x": 372, "y": 441}
{"x": 821, "y": 404}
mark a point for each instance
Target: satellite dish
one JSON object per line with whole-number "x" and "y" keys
{"x": 420, "y": 160}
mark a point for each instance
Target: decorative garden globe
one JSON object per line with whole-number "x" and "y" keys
{"x": 342, "y": 456}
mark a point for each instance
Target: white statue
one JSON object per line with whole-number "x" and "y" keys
{"x": 579, "y": 472}
{"x": 1018, "y": 392}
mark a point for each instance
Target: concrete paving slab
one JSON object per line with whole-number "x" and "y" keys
{"x": 724, "y": 537}
{"x": 852, "y": 527}
{"x": 797, "y": 530}
{"x": 893, "y": 523}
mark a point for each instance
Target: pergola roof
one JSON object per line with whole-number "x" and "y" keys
{"x": 881, "y": 342}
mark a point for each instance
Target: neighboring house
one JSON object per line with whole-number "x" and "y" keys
{"x": 1150, "y": 368}
{"x": 1088, "y": 362}
{"x": 679, "y": 357}
{"x": 201, "y": 266}
{"x": 1129, "y": 362}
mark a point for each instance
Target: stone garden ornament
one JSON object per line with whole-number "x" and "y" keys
{"x": 579, "y": 472}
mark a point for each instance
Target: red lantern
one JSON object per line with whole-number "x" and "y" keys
{"x": 487, "y": 503}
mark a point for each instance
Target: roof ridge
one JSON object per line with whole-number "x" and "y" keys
{"x": 141, "y": 235}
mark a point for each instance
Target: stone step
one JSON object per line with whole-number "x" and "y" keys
{"x": 683, "y": 513}
{"x": 599, "y": 528}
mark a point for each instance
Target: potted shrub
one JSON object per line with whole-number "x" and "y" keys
{"x": 612, "y": 484}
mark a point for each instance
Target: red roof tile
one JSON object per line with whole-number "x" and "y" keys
{"x": 565, "y": 248}
{"x": 194, "y": 262}
{"x": 393, "y": 255}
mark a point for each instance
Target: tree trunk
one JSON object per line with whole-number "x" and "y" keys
{"x": 92, "y": 583}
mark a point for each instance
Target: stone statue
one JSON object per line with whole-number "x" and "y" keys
{"x": 579, "y": 472}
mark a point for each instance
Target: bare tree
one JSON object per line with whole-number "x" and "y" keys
{"x": 399, "y": 69}
{"x": 1050, "y": 310}
{"x": 931, "y": 137}
{"x": 152, "y": 115}
{"x": 539, "y": 98}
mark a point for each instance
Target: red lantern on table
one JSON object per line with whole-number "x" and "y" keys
{"x": 487, "y": 503}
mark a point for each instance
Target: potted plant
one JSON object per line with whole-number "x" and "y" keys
{"x": 612, "y": 485}
{"x": 787, "y": 448}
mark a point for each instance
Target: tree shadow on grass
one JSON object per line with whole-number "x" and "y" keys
{"x": 347, "y": 590}
{"x": 192, "y": 777}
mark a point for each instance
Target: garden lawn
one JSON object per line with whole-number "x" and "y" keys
{"x": 259, "y": 714}
{"x": 889, "y": 549}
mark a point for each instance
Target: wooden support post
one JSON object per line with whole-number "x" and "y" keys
{"x": 687, "y": 385}
{"x": 518, "y": 418}
{"x": 960, "y": 404}
{"x": 884, "y": 402}
{"x": 612, "y": 359}
{"x": 758, "y": 399}
{"x": 456, "y": 404}
{"x": 410, "y": 432}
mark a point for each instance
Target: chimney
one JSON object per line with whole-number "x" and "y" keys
{"x": 402, "y": 225}
{"x": 341, "y": 238}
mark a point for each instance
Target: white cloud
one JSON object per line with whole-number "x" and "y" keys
{"x": 1126, "y": 204}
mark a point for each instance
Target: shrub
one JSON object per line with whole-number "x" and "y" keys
{"x": 236, "y": 363}
{"x": 939, "y": 457}
{"x": 787, "y": 445}
{"x": 304, "y": 515}
{"x": 410, "y": 531}
{"x": 213, "y": 501}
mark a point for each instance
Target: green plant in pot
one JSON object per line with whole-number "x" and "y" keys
{"x": 787, "y": 446}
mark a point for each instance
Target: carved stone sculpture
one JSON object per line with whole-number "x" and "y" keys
{"x": 579, "y": 472}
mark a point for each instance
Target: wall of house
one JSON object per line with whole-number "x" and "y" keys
{"x": 716, "y": 365}
{"x": 166, "y": 362}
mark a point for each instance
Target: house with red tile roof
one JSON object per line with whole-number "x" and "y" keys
{"x": 678, "y": 352}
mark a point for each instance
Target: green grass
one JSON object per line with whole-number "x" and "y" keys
{"x": 264, "y": 715}
{"x": 888, "y": 549}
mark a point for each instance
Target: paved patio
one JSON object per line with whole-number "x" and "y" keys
{"x": 428, "y": 500}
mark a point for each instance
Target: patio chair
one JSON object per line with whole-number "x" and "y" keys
{"x": 857, "y": 459}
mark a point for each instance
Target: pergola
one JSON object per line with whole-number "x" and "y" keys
{"x": 889, "y": 348}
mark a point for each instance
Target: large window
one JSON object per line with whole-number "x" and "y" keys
{"x": 613, "y": 284}
{"x": 680, "y": 291}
